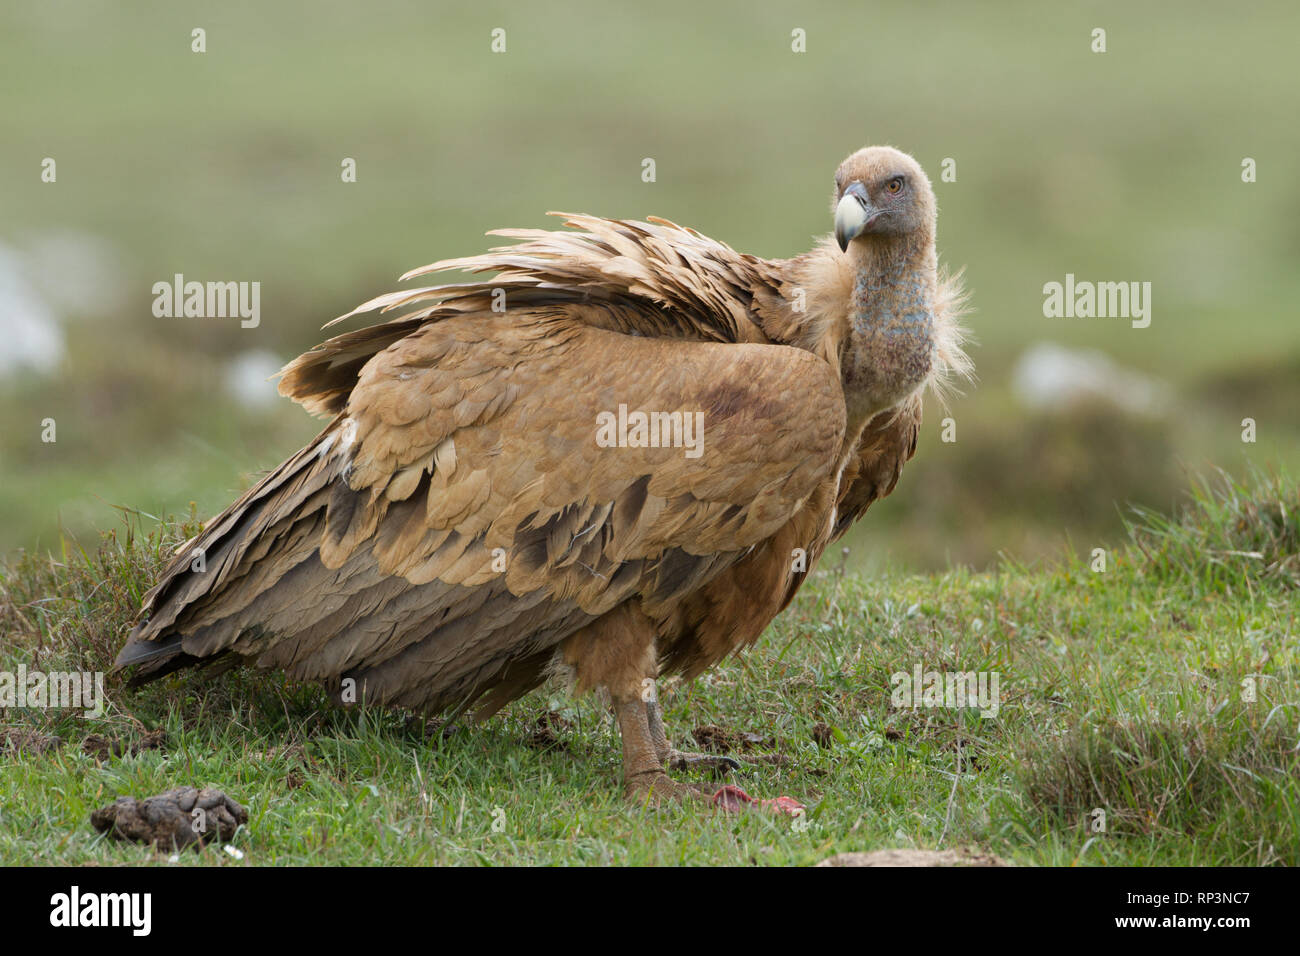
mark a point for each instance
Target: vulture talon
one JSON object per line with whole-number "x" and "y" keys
{"x": 717, "y": 764}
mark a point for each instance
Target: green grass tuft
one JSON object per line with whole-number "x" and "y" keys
{"x": 1230, "y": 535}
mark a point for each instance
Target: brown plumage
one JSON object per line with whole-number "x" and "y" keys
{"x": 457, "y": 534}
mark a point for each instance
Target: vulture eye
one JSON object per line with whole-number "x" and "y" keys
{"x": 895, "y": 185}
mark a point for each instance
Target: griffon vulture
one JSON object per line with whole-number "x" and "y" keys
{"x": 601, "y": 464}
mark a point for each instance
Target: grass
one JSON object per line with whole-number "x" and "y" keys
{"x": 1162, "y": 691}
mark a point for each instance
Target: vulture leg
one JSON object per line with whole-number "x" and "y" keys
{"x": 644, "y": 780}
{"x": 617, "y": 651}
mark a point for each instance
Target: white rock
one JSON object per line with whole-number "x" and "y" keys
{"x": 78, "y": 273}
{"x": 29, "y": 326}
{"x": 1052, "y": 377}
{"x": 247, "y": 378}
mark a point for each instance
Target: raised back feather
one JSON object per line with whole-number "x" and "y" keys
{"x": 654, "y": 279}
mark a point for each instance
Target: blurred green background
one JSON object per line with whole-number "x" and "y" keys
{"x": 1122, "y": 166}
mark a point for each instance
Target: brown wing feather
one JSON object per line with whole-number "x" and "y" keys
{"x": 372, "y": 553}
{"x": 888, "y": 441}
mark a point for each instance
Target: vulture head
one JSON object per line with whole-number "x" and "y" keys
{"x": 885, "y": 225}
{"x": 881, "y": 192}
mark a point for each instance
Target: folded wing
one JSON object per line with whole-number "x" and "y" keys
{"x": 460, "y": 515}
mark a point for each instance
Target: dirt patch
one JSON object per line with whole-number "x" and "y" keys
{"x": 24, "y": 740}
{"x": 102, "y": 748}
{"x": 719, "y": 740}
{"x": 550, "y": 732}
{"x": 178, "y": 818}
{"x": 915, "y": 858}
{"x": 426, "y": 728}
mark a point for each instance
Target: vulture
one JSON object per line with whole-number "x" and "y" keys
{"x": 616, "y": 458}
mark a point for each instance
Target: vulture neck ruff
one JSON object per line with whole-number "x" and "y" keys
{"x": 891, "y": 327}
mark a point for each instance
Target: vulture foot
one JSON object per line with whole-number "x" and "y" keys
{"x": 657, "y": 789}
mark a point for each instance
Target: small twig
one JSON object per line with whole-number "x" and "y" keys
{"x": 952, "y": 796}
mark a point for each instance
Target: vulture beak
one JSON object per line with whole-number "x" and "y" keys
{"x": 853, "y": 215}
